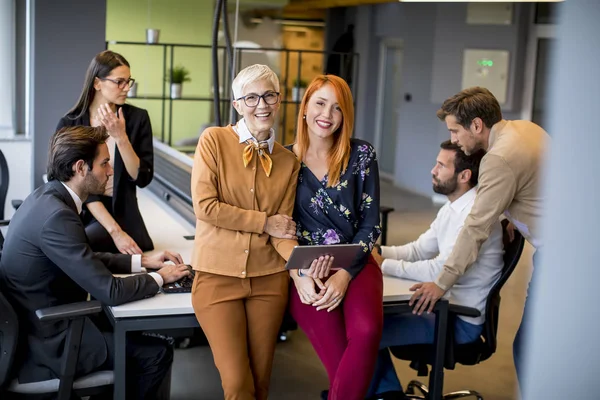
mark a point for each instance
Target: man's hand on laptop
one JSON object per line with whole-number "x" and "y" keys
{"x": 157, "y": 261}
{"x": 173, "y": 273}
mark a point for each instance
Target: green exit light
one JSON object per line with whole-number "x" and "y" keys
{"x": 485, "y": 63}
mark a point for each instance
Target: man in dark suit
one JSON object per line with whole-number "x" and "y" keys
{"x": 46, "y": 261}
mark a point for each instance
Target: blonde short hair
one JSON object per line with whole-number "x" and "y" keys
{"x": 253, "y": 73}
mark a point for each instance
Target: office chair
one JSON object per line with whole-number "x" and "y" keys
{"x": 384, "y": 211}
{"x": 3, "y": 183}
{"x": 4, "y": 180}
{"x": 473, "y": 353}
{"x": 65, "y": 386}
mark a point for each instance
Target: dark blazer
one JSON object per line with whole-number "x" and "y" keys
{"x": 125, "y": 208}
{"x": 46, "y": 261}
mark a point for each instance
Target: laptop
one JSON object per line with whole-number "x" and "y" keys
{"x": 184, "y": 285}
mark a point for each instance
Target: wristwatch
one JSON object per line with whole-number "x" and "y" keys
{"x": 377, "y": 246}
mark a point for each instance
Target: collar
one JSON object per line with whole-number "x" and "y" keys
{"x": 459, "y": 204}
{"x": 495, "y": 132}
{"x": 76, "y": 199}
{"x": 244, "y": 133}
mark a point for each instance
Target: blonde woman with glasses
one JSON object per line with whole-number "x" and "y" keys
{"x": 243, "y": 190}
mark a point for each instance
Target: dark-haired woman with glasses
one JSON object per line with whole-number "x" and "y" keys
{"x": 113, "y": 220}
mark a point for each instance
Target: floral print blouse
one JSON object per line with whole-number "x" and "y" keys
{"x": 345, "y": 213}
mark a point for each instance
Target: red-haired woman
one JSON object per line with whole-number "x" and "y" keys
{"x": 337, "y": 201}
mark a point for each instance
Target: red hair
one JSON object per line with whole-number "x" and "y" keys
{"x": 339, "y": 154}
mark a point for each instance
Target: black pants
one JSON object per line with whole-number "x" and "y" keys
{"x": 148, "y": 370}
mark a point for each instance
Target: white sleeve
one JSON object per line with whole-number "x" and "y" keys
{"x": 157, "y": 278}
{"x": 136, "y": 263}
{"x": 422, "y": 271}
{"x": 424, "y": 248}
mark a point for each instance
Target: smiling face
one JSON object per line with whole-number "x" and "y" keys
{"x": 323, "y": 113}
{"x": 260, "y": 118}
{"x": 108, "y": 88}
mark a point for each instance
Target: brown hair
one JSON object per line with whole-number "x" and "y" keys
{"x": 339, "y": 155}
{"x": 463, "y": 162}
{"x": 71, "y": 144}
{"x": 472, "y": 103}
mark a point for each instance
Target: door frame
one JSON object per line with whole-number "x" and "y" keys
{"x": 536, "y": 32}
{"x": 377, "y": 142}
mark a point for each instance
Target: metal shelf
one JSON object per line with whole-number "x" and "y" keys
{"x": 168, "y": 54}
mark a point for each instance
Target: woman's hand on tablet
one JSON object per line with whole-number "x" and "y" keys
{"x": 320, "y": 267}
{"x": 305, "y": 285}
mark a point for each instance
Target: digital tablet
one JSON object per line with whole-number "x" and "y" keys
{"x": 343, "y": 254}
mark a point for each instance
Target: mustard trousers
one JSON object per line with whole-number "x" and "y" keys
{"x": 241, "y": 320}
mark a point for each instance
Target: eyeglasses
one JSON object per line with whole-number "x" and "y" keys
{"x": 252, "y": 99}
{"x": 121, "y": 83}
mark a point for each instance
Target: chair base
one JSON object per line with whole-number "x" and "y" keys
{"x": 410, "y": 392}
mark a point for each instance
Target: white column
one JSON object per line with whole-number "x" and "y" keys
{"x": 7, "y": 68}
{"x": 564, "y": 350}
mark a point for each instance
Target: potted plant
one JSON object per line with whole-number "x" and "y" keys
{"x": 177, "y": 75}
{"x": 298, "y": 89}
{"x": 133, "y": 90}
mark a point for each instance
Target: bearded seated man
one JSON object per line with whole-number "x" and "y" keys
{"x": 455, "y": 175}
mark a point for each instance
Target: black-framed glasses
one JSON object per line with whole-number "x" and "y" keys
{"x": 121, "y": 83}
{"x": 253, "y": 99}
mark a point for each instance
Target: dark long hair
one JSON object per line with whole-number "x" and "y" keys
{"x": 100, "y": 67}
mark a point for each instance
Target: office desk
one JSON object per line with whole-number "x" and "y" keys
{"x": 174, "y": 311}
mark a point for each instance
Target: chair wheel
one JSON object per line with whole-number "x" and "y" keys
{"x": 283, "y": 336}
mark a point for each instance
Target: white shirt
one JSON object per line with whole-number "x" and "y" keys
{"x": 244, "y": 133}
{"x": 136, "y": 259}
{"x": 423, "y": 259}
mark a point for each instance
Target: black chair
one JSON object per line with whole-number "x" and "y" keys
{"x": 384, "y": 211}
{"x": 4, "y": 180}
{"x": 66, "y": 387}
{"x": 422, "y": 355}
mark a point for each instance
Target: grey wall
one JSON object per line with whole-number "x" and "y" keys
{"x": 453, "y": 35}
{"x": 434, "y": 37}
{"x": 564, "y": 357}
{"x": 66, "y": 36}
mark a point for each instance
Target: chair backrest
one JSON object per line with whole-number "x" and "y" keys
{"x": 9, "y": 335}
{"x": 512, "y": 254}
{"x": 3, "y": 183}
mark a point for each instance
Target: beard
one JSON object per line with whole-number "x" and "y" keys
{"x": 447, "y": 187}
{"x": 94, "y": 186}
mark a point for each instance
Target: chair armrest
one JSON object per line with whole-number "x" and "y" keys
{"x": 69, "y": 311}
{"x": 385, "y": 210}
{"x": 384, "y": 225}
{"x": 464, "y": 311}
{"x": 16, "y": 204}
